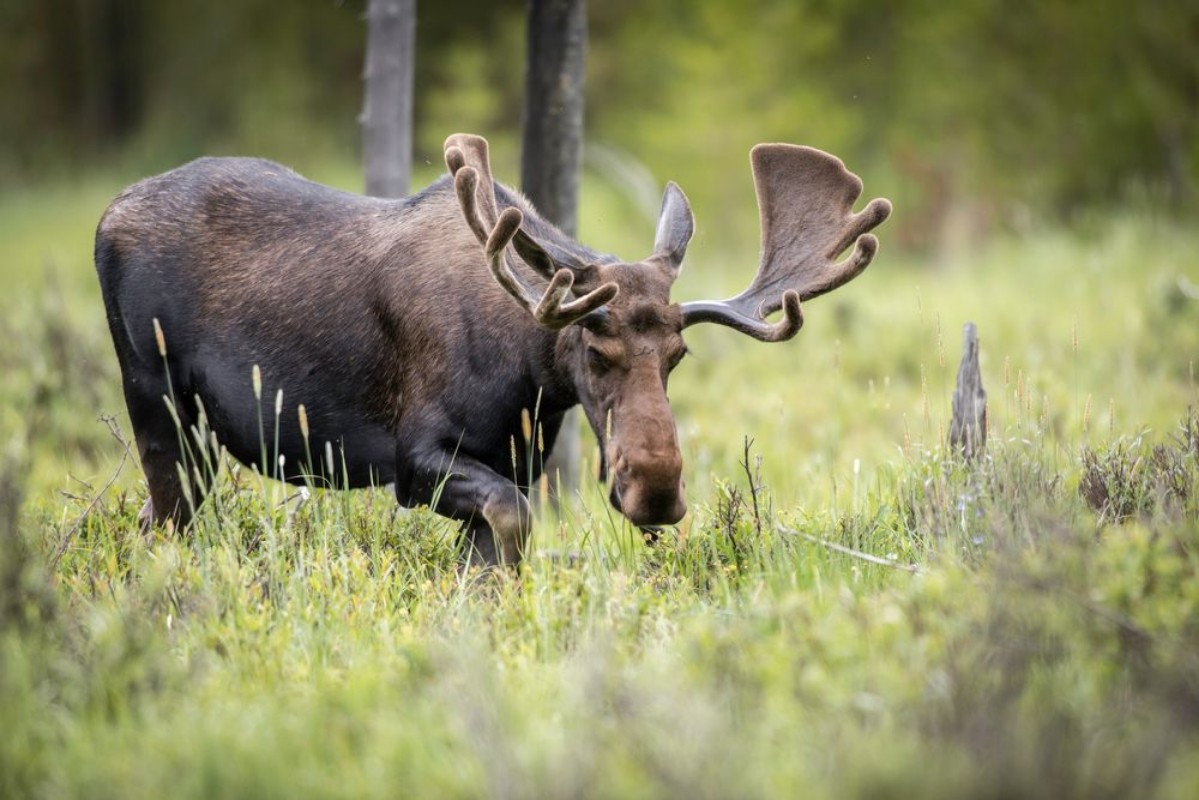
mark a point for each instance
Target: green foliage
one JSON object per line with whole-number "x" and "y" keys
{"x": 977, "y": 113}
{"x": 326, "y": 651}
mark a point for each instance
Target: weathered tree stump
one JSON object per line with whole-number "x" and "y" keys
{"x": 968, "y": 429}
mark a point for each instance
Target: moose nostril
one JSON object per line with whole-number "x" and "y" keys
{"x": 649, "y": 507}
{"x": 649, "y": 491}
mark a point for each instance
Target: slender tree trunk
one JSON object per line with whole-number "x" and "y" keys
{"x": 387, "y": 109}
{"x": 552, "y": 144}
{"x": 551, "y": 154}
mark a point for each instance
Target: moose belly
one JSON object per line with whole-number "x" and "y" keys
{"x": 339, "y": 440}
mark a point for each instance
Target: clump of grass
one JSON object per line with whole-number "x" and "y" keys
{"x": 1131, "y": 478}
{"x": 72, "y": 661}
{"x": 25, "y": 603}
{"x": 1002, "y": 500}
{"x": 1056, "y": 629}
{"x": 731, "y": 658}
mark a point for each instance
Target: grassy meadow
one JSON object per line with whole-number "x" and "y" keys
{"x": 846, "y": 611}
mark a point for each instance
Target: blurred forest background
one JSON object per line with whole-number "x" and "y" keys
{"x": 973, "y": 116}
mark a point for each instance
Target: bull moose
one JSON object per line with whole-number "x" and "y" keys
{"x": 409, "y": 337}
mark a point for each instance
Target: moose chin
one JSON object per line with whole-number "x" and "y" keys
{"x": 408, "y": 339}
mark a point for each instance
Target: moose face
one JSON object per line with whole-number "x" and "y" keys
{"x": 623, "y": 360}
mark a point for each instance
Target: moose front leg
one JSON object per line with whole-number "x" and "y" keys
{"x": 495, "y": 513}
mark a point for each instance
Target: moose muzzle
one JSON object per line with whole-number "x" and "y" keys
{"x": 647, "y": 474}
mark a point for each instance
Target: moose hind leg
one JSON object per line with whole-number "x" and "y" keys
{"x": 163, "y": 448}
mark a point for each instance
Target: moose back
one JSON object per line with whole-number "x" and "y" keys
{"x": 407, "y": 338}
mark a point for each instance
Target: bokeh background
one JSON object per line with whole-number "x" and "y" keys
{"x": 972, "y": 115}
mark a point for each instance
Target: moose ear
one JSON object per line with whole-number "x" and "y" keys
{"x": 675, "y": 228}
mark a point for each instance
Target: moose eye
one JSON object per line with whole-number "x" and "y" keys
{"x": 597, "y": 360}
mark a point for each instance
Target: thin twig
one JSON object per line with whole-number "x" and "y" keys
{"x": 66, "y": 539}
{"x": 754, "y": 485}
{"x": 849, "y": 551}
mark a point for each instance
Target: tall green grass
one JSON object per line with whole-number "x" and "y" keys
{"x": 846, "y": 611}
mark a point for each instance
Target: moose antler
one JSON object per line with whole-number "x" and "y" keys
{"x": 466, "y": 157}
{"x": 805, "y": 199}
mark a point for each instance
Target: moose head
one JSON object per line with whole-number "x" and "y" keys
{"x": 621, "y": 336}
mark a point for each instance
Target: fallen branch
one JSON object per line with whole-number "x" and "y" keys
{"x": 848, "y": 551}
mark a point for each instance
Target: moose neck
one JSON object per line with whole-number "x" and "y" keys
{"x": 560, "y": 385}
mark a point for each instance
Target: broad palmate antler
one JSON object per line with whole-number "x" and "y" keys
{"x": 466, "y": 157}
{"x": 805, "y": 199}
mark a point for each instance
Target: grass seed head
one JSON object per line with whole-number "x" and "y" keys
{"x": 160, "y": 339}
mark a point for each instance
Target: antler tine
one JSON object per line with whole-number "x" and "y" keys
{"x": 805, "y": 198}
{"x": 466, "y": 157}
{"x": 723, "y": 313}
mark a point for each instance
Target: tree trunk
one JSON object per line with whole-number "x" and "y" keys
{"x": 387, "y": 109}
{"x": 551, "y": 155}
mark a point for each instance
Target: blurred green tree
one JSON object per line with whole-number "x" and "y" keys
{"x": 970, "y": 114}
